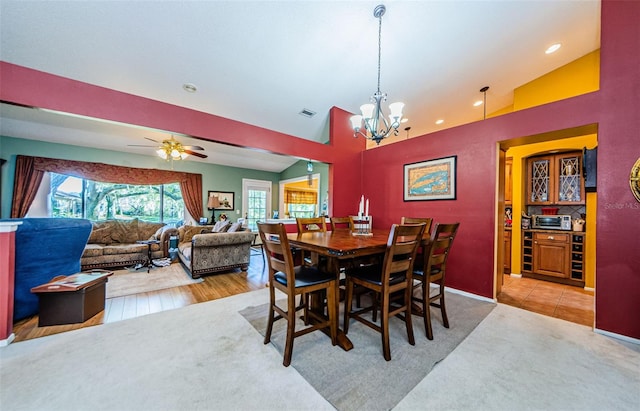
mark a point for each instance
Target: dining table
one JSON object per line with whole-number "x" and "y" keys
{"x": 338, "y": 247}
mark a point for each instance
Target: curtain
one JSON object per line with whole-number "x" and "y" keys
{"x": 300, "y": 197}
{"x": 29, "y": 172}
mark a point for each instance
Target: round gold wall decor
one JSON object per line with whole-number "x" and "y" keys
{"x": 634, "y": 180}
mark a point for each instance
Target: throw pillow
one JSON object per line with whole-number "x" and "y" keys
{"x": 125, "y": 232}
{"x": 220, "y": 226}
{"x": 234, "y": 227}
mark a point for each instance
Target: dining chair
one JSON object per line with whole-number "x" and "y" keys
{"x": 433, "y": 271}
{"x": 341, "y": 222}
{"x": 391, "y": 282}
{"x": 425, "y": 237}
{"x": 293, "y": 281}
{"x": 305, "y": 225}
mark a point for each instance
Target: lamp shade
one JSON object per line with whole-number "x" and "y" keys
{"x": 213, "y": 202}
{"x": 356, "y": 122}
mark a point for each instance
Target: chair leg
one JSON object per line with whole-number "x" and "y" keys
{"x": 347, "y": 304}
{"x": 426, "y": 310}
{"x": 384, "y": 313}
{"x": 291, "y": 329}
{"x": 272, "y": 298}
{"x": 445, "y": 320}
{"x": 407, "y": 316}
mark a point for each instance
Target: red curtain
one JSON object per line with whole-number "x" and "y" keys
{"x": 29, "y": 172}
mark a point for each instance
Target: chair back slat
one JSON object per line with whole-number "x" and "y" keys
{"x": 402, "y": 245}
{"x": 279, "y": 256}
{"x": 417, "y": 220}
{"x": 341, "y": 222}
{"x": 439, "y": 247}
{"x": 311, "y": 224}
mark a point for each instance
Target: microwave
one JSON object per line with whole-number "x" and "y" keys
{"x": 552, "y": 222}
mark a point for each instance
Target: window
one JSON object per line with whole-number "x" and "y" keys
{"x": 256, "y": 201}
{"x": 80, "y": 198}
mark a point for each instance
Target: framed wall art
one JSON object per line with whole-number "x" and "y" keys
{"x": 430, "y": 180}
{"x": 220, "y": 200}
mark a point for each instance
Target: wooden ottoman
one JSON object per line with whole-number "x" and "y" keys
{"x": 71, "y": 299}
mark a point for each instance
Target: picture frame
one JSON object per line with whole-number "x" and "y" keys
{"x": 220, "y": 200}
{"x": 430, "y": 180}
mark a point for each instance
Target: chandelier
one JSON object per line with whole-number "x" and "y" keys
{"x": 172, "y": 150}
{"x": 375, "y": 123}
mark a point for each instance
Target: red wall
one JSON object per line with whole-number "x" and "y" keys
{"x": 616, "y": 111}
{"x": 377, "y": 173}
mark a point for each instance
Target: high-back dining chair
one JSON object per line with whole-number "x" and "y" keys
{"x": 417, "y": 220}
{"x": 294, "y": 281}
{"x": 341, "y": 222}
{"x": 433, "y": 270}
{"x": 392, "y": 280}
{"x": 305, "y": 225}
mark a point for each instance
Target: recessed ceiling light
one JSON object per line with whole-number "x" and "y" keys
{"x": 189, "y": 88}
{"x": 439, "y": 121}
{"x": 477, "y": 103}
{"x": 553, "y": 48}
{"x": 404, "y": 120}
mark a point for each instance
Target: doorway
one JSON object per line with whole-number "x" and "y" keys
{"x": 569, "y": 302}
{"x": 256, "y": 201}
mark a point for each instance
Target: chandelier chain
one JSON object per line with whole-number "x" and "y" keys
{"x": 379, "y": 46}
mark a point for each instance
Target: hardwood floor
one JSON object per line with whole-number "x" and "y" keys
{"x": 561, "y": 301}
{"x": 130, "y": 306}
{"x": 556, "y": 300}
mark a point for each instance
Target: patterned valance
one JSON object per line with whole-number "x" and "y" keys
{"x": 300, "y": 197}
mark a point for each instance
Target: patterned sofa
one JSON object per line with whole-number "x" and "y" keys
{"x": 112, "y": 243}
{"x": 203, "y": 252}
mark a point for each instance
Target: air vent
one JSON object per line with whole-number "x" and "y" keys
{"x": 307, "y": 113}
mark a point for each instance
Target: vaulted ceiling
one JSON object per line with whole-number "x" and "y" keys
{"x": 263, "y": 62}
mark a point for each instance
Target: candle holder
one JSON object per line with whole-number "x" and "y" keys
{"x": 362, "y": 225}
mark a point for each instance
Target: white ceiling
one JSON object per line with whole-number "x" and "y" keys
{"x": 262, "y": 62}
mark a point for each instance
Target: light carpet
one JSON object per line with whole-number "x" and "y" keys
{"x": 127, "y": 282}
{"x": 208, "y": 357}
{"x": 361, "y": 379}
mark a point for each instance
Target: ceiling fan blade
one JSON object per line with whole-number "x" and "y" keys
{"x": 150, "y": 139}
{"x": 193, "y": 153}
{"x": 139, "y": 145}
{"x": 193, "y": 148}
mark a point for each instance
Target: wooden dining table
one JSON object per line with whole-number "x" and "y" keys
{"x": 339, "y": 246}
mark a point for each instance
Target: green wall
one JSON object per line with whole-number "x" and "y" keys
{"x": 300, "y": 169}
{"x": 214, "y": 177}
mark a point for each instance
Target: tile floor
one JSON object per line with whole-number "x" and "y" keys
{"x": 555, "y": 300}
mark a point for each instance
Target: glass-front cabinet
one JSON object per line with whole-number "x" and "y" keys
{"x": 555, "y": 179}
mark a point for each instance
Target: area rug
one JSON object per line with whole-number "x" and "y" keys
{"x": 360, "y": 379}
{"x": 126, "y": 282}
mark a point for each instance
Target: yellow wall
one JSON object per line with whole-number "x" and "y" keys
{"x": 578, "y": 77}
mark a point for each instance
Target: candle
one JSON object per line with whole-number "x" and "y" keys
{"x": 361, "y": 206}
{"x": 366, "y": 211}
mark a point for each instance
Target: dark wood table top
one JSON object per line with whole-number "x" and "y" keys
{"x": 341, "y": 243}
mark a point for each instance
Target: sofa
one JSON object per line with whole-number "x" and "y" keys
{"x": 202, "y": 251}
{"x": 44, "y": 248}
{"x": 112, "y": 243}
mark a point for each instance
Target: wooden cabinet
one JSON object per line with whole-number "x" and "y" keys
{"x": 507, "y": 251}
{"x": 555, "y": 179}
{"x": 508, "y": 181}
{"x": 553, "y": 255}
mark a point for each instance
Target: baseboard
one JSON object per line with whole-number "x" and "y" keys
{"x": 617, "y": 336}
{"x": 470, "y": 295}
{"x": 591, "y": 289}
{"x": 8, "y": 340}
{"x": 514, "y": 275}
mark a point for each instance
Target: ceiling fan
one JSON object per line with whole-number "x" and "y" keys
{"x": 172, "y": 149}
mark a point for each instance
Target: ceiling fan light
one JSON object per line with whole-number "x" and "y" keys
{"x": 175, "y": 153}
{"x": 183, "y": 155}
{"x": 161, "y": 153}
